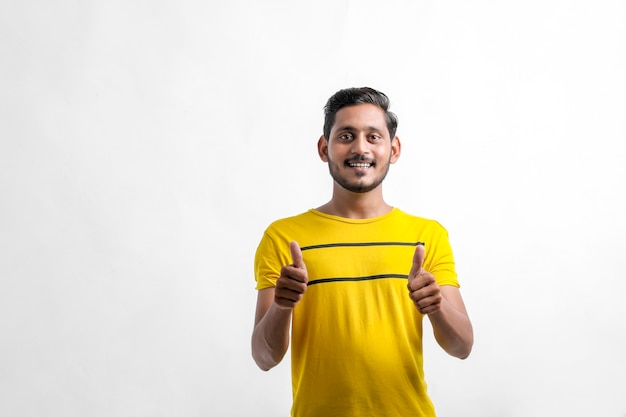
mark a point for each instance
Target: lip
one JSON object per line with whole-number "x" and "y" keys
{"x": 359, "y": 164}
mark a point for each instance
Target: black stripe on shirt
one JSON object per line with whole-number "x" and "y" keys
{"x": 339, "y": 245}
{"x": 369, "y": 278}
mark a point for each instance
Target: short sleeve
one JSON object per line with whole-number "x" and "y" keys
{"x": 441, "y": 262}
{"x": 268, "y": 261}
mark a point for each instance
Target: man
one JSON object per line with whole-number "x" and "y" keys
{"x": 353, "y": 279}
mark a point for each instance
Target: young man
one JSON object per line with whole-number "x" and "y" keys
{"x": 354, "y": 278}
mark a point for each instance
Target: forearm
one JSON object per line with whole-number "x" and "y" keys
{"x": 270, "y": 338}
{"x": 453, "y": 330}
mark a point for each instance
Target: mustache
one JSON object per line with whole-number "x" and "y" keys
{"x": 360, "y": 158}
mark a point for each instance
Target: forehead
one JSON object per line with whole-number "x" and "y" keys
{"x": 361, "y": 116}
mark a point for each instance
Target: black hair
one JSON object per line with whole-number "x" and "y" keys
{"x": 355, "y": 96}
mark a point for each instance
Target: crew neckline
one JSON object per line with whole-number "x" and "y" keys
{"x": 390, "y": 213}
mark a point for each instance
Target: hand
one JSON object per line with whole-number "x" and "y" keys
{"x": 292, "y": 282}
{"x": 423, "y": 288}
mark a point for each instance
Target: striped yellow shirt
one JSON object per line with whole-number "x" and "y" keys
{"x": 356, "y": 343}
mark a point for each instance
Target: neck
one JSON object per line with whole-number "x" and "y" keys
{"x": 352, "y": 205}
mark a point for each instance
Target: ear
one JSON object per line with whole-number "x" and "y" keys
{"x": 322, "y": 148}
{"x": 396, "y": 147}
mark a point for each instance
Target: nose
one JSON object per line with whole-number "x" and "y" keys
{"x": 360, "y": 145}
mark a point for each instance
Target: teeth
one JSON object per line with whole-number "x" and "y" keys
{"x": 356, "y": 165}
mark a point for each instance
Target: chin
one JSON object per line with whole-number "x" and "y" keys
{"x": 359, "y": 188}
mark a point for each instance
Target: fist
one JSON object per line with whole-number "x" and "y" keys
{"x": 292, "y": 282}
{"x": 423, "y": 288}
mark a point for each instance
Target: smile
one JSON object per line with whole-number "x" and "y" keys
{"x": 354, "y": 164}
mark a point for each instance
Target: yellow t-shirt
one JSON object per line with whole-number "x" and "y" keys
{"x": 356, "y": 342}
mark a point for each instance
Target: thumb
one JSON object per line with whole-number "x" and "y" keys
{"x": 418, "y": 260}
{"x": 296, "y": 255}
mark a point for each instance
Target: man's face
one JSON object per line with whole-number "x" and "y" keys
{"x": 359, "y": 149}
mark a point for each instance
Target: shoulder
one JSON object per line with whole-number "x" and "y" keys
{"x": 411, "y": 219}
{"x": 291, "y": 228}
{"x": 291, "y": 221}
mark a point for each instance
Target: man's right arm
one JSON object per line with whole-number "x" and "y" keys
{"x": 270, "y": 337}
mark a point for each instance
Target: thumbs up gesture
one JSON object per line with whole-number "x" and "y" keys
{"x": 292, "y": 282}
{"x": 423, "y": 288}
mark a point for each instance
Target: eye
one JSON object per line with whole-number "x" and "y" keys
{"x": 375, "y": 137}
{"x": 345, "y": 137}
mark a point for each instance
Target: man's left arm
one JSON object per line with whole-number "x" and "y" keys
{"x": 444, "y": 306}
{"x": 451, "y": 324}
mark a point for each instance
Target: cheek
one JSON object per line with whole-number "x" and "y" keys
{"x": 331, "y": 155}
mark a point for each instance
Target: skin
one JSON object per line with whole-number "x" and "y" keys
{"x": 359, "y": 135}
{"x": 444, "y": 307}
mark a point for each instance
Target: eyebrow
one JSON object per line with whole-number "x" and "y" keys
{"x": 354, "y": 129}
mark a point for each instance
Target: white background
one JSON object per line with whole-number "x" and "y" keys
{"x": 146, "y": 145}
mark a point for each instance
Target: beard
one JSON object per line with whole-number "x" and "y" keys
{"x": 357, "y": 186}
